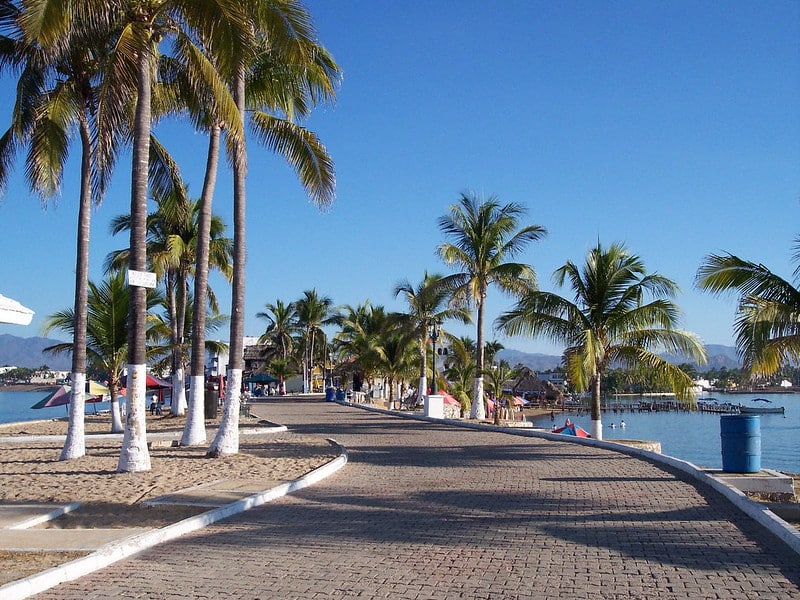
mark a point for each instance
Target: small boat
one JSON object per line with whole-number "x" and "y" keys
{"x": 570, "y": 428}
{"x": 761, "y": 409}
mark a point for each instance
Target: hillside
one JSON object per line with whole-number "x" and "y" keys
{"x": 28, "y": 352}
{"x": 718, "y": 357}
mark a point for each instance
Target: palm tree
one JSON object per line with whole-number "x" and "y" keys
{"x": 107, "y": 334}
{"x": 282, "y": 368}
{"x": 282, "y": 319}
{"x": 313, "y": 311}
{"x": 485, "y": 235}
{"x": 767, "y": 326}
{"x": 396, "y": 359}
{"x": 427, "y": 304}
{"x": 298, "y": 74}
{"x": 490, "y": 350}
{"x": 460, "y": 371}
{"x": 498, "y": 375}
{"x": 611, "y": 320}
{"x": 57, "y": 96}
{"x": 364, "y": 329}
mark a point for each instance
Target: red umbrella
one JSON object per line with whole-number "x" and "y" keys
{"x": 448, "y": 399}
{"x": 151, "y": 382}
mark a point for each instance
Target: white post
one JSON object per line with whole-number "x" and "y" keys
{"x": 434, "y": 406}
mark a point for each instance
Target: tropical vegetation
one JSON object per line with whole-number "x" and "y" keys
{"x": 767, "y": 328}
{"x": 618, "y": 314}
{"x": 485, "y": 236}
{"x": 215, "y": 61}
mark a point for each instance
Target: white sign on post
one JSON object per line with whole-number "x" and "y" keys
{"x": 143, "y": 279}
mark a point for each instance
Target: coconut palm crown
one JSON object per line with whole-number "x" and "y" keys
{"x": 767, "y": 324}
{"x": 619, "y": 314}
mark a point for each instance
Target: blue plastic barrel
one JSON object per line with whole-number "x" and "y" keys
{"x": 329, "y": 394}
{"x": 340, "y": 395}
{"x": 741, "y": 443}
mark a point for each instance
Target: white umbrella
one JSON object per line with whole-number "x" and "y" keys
{"x": 13, "y": 312}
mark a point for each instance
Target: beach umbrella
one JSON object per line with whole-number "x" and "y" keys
{"x": 13, "y": 313}
{"x": 95, "y": 388}
{"x": 62, "y": 396}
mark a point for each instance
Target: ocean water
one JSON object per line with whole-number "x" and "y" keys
{"x": 16, "y": 406}
{"x": 695, "y": 436}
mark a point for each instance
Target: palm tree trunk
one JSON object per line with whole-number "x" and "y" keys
{"x": 311, "y": 363}
{"x": 134, "y": 455}
{"x": 478, "y": 410}
{"x": 194, "y": 433}
{"x": 178, "y": 398}
{"x": 75, "y": 443}
{"x": 227, "y": 438}
{"x": 423, "y": 367}
{"x": 116, "y": 417}
{"x": 597, "y": 423}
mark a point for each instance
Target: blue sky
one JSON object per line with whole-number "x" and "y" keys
{"x": 672, "y": 127}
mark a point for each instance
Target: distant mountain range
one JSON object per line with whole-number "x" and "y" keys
{"x": 718, "y": 357}
{"x": 28, "y": 352}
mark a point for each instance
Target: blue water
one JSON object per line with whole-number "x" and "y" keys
{"x": 16, "y": 406}
{"x": 695, "y": 436}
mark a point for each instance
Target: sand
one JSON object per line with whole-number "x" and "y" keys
{"x": 31, "y": 472}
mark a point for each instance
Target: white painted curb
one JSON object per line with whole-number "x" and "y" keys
{"x": 115, "y": 551}
{"x": 32, "y": 522}
{"x": 159, "y": 435}
{"x": 758, "y": 512}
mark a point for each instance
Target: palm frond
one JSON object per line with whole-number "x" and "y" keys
{"x": 303, "y": 151}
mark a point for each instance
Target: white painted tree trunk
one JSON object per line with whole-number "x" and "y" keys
{"x": 478, "y": 411}
{"x": 423, "y": 387}
{"x": 134, "y": 456}
{"x": 116, "y": 417}
{"x": 178, "y": 403}
{"x": 226, "y": 441}
{"x": 75, "y": 443}
{"x": 597, "y": 429}
{"x": 194, "y": 432}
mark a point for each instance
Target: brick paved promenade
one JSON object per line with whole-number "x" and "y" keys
{"x": 430, "y": 511}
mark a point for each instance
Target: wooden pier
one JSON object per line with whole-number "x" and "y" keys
{"x": 661, "y": 404}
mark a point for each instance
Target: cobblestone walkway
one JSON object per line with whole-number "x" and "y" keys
{"x": 431, "y": 511}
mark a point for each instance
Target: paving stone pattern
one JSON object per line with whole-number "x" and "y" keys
{"x": 427, "y": 511}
